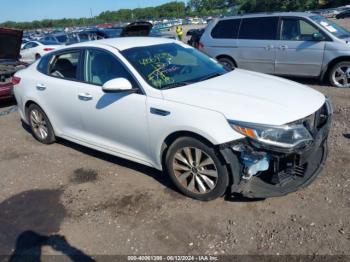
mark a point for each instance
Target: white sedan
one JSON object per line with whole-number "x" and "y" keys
{"x": 34, "y": 50}
{"x": 164, "y": 104}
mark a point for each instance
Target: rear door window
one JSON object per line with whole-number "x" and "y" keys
{"x": 226, "y": 29}
{"x": 65, "y": 65}
{"x": 259, "y": 28}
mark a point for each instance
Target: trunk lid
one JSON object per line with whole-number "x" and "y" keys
{"x": 140, "y": 28}
{"x": 10, "y": 43}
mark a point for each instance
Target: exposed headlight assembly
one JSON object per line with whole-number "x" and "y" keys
{"x": 286, "y": 136}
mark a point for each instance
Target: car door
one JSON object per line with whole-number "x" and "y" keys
{"x": 28, "y": 52}
{"x": 256, "y": 42}
{"x": 300, "y": 49}
{"x": 116, "y": 121}
{"x": 57, "y": 91}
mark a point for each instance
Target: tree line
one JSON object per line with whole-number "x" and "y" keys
{"x": 181, "y": 10}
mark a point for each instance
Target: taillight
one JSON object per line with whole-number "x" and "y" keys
{"x": 200, "y": 45}
{"x": 16, "y": 80}
{"x": 48, "y": 49}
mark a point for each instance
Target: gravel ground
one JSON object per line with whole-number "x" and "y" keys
{"x": 65, "y": 197}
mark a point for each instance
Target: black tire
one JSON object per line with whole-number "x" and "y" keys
{"x": 221, "y": 181}
{"x": 332, "y": 74}
{"x": 227, "y": 63}
{"x": 50, "y": 137}
{"x": 37, "y": 56}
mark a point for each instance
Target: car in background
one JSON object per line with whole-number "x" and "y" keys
{"x": 195, "y": 36}
{"x": 58, "y": 38}
{"x": 286, "y": 44}
{"x": 10, "y": 45}
{"x": 24, "y": 41}
{"x": 112, "y": 32}
{"x": 343, "y": 14}
{"x": 164, "y": 104}
{"x": 34, "y": 50}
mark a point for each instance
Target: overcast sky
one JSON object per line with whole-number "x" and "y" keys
{"x": 28, "y": 10}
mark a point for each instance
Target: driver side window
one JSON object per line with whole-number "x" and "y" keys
{"x": 298, "y": 30}
{"x": 100, "y": 67}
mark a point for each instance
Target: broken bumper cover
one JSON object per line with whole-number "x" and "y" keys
{"x": 287, "y": 171}
{"x": 6, "y": 90}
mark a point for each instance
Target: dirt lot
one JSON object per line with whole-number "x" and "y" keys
{"x": 67, "y": 198}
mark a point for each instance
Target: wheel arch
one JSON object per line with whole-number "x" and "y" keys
{"x": 330, "y": 65}
{"x": 171, "y": 138}
{"x": 30, "y": 102}
{"x": 229, "y": 57}
{"x": 27, "y": 105}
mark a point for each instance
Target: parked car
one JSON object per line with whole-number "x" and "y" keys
{"x": 34, "y": 50}
{"x": 343, "y": 14}
{"x": 195, "y": 36}
{"x": 164, "y": 104}
{"x": 143, "y": 28}
{"x": 10, "y": 45}
{"x": 293, "y": 44}
{"x": 58, "y": 38}
{"x": 112, "y": 32}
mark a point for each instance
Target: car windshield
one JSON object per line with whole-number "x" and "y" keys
{"x": 172, "y": 65}
{"x": 331, "y": 27}
{"x": 61, "y": 38}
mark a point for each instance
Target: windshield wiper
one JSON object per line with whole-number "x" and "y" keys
{"x": 174, "y": 85}
{"x": 210, "y": 77}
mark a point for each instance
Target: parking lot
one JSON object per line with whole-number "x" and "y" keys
{"x": 98, "y": 204}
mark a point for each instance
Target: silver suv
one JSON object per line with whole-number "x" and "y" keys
{"x": 290, "y": 44}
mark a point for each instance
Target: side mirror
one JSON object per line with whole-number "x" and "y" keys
{"x": 118, "y": 85}
{"x": 318, "y": 37}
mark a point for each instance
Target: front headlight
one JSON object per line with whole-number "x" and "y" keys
{"x": 286, "y": 136}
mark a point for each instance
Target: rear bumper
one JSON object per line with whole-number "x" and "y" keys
{"x": 6, "y": 90}
{"x": 287, "y": 172}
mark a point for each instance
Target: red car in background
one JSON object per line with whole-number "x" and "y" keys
{"x": 10, "y": 46}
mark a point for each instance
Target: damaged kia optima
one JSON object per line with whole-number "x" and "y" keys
{"x": 164, "y": 104}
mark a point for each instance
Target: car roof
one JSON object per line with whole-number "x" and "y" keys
{"x": 297, "y": 14}
{"x": 123, "y": 43}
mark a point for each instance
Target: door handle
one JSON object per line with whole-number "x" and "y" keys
{"x": 269, "y": 47}
{"x": 283, "y": 47}
{"x": 157, "y": 111}
{"x": 85, "y": 96}
{"x": 40, "y": 87}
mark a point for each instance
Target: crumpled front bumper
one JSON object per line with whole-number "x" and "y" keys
{"x": 287, "y": 172}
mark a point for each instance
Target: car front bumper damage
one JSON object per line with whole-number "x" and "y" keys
{"x": 262, "y": 172}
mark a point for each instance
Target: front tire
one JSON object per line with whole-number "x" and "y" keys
{"x": 40, "y": 125}
{"x": 339, "y": 75}
{"x": 196, "y": 170}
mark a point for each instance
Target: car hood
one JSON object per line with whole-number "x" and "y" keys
{"x": 251, "y": 97}
{"x": 10, "y": 43}
{"x": 137, "y": 29}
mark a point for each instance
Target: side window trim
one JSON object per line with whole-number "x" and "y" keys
{"x": 63, "y": 52}
{"x": 259, "y": 17}
{"x": 328, "y": 39}
{"x": 83, "y": 62}
{"x": 220, "y": 21}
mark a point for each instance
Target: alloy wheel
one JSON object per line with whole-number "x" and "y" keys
{"x": 341, "y": 75}
{"x": 38, "y": 124}
{"x": 195, "y": 170}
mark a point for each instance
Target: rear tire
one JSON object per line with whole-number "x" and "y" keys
{"x": 37, "y": 57}
{"x": 40, "y": 125}
{"x": 227, "y": 63}
{"x": 196, "y": 170}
